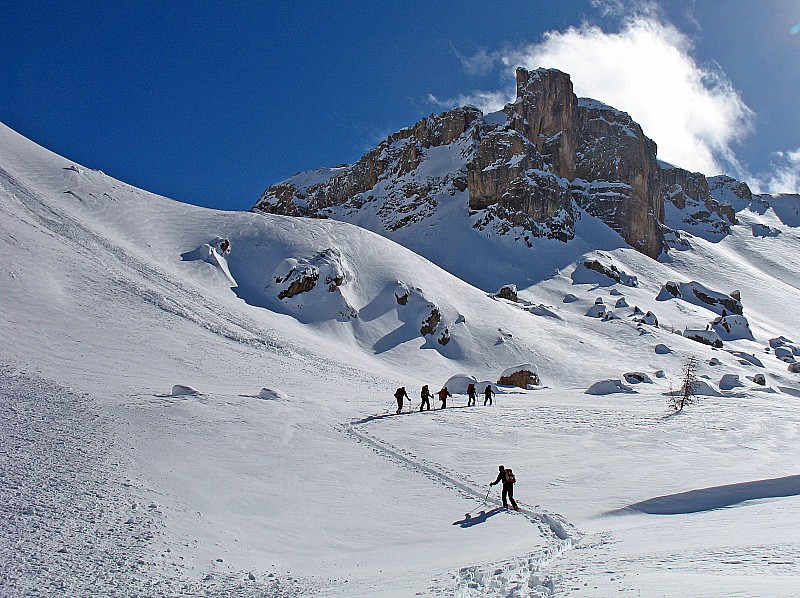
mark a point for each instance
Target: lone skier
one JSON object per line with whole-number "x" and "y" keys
{"x": 426, "y": 397}
{"x": 400, "y": 394}
{"x": 472, "y": 395}
{"x": 506, "y": 476}
{"x": 487, "y": 394}
{"x": 443, "y": 394}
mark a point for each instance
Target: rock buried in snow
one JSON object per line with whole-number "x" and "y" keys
{"x": 269, "y": 394}
{"x": 706, "y": 337}
{"x": 522, "y": 375}
{"x": 662, "y": 349}
{"x": 508, "y": 292}
{"x": 180, "y": 390}
{"x": 609, "y": 386}
{"x": 570, "y": 298}
{"x": 636, "y": 378}
{"x": 794, "y": 367}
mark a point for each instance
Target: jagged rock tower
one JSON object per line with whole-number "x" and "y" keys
{"x": 530, "y": 167}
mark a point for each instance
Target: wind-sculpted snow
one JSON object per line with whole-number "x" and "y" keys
{"x": 122, "y": 296}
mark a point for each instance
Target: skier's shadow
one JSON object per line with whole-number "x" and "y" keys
{"x": 482, "y": 516}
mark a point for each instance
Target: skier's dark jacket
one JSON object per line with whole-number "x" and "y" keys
{"x": 501, "y": 477}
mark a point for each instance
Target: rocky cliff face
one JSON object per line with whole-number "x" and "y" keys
{"x": 527, "y": 171}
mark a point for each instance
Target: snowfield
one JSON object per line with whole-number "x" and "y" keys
{"x": 178, "y": 417}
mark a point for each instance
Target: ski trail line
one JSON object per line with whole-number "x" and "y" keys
{"x": 567, "y": 535}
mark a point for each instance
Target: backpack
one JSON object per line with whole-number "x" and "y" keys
{"x": 398, "y": 394}
{"x": 471, "y": 389}
{"x": 510, "y": 479}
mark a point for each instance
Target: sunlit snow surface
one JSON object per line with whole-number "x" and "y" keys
{"x": 170, "y": 426}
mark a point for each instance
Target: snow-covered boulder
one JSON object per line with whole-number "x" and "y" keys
{"x": 729, "y": 382}
{"x": 759, "y": 379}
{"x": 522, "y": 375}
{"x": 637, "y": 378}
{"x": 621, "y": 303}
{"x": 794, "y": 368}
{"x": 609, "y": 386}
{"x": 598, "y": 310}
{"x": 785, "y": 354}
{"x": 714, "y": 361}
{"x": 570, "y": 298}
{"x": 182, "y": 390}
{"x": 649, "y": 318}
{"x": 698, "y": 294}
{"x": 732, "y": 327}
{"x": 315, "y": 286}
{"x": 703, "y": 388}
{"x": 662, "y": 349}
{"x": 269, "y": 395}
{"x": 706, "y": 337}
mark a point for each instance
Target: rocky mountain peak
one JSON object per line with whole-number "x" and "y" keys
{"x": 527, "y": 171}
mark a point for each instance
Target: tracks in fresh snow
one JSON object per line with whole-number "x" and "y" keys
{"x": 520, "y": 576}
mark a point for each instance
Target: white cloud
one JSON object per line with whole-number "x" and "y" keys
{"x": 783, "y": 176}
{"x": 487, "y": 101}
{"x": 691, "y": 111}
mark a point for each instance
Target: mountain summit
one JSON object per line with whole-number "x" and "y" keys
{"x": 527, "y": 171}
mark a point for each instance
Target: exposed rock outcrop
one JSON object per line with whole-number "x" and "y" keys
{"x": 528, "y": 171}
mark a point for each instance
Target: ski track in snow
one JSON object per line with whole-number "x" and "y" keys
{"x": 520, "y": 577}
{"x": 72, "y": 523}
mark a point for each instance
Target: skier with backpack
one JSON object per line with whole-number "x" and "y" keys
{"x": 506, "y": 476}
{"x": 400, "y": 394}
{"x": 471, "y": 395}
{"x": 443, "y": 394}
{"x": 487, "y": 394}
{"x": 426, "y": 397}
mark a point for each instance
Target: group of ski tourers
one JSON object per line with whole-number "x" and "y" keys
{"x": 506, "y": 476}
{"x": 425, "y": 394}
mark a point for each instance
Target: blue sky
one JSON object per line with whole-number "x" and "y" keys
{"x": 209, "y": 103}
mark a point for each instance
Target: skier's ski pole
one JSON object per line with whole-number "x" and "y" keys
{"x": 487, "y": 494}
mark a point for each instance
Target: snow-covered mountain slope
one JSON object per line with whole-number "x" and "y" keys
{"x": 289, "y": 464}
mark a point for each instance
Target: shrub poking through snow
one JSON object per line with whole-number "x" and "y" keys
{"x": 686, "y": 393}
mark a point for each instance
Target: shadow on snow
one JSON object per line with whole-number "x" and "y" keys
{"x": 718, "y": 497}
{"x": 482, "y": 516}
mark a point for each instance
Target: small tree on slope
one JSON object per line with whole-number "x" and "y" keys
{"x": 685, "y": 394}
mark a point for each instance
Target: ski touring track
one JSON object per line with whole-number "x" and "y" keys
{"x": 520, "y": 577}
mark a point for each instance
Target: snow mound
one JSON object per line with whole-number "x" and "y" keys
{"x": 210, "y": 253}
{"x": 608, "y": 386}
{"x": 181, "y": 390}
{"x": 458, "y": 384}
{"x": 729, "y": 382}
{"x": 523, "y": 367}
